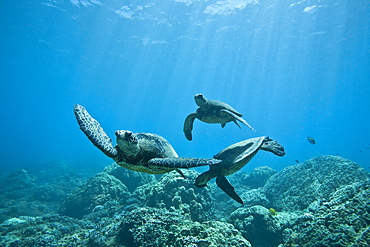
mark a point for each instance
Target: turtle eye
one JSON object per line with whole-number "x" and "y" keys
{"x": 133, "y": 138}
{"x": 128, "y": 135}
{"x": 119, "y": 133}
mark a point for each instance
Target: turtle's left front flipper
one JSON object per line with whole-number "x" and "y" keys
{"x": 222, "y": 182}
{"x": 94, "y": 131}
{"x": 179, "y": 162}
{"x": 238, "y": 118}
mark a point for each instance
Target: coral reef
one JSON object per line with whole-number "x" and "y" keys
{"x": 36, "y": 191}
{"x": 341, "y": 220}
{"x": 160, "y": 227}
{"x": 141, "y": 227}
{"x": 131, "y": 179}
{"x": 173, "y": 191}
{"x": 47, "y": 230}
{"x": 296, "y": 187}
{"x": 305, "y": 193}
{"x": 260, "y": 227}
{"x": 321, "y": 202}
{"x": 259, "y": 176}
{"x": 98, "y": 190}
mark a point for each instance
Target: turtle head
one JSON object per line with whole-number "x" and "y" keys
{"x": 200, "y": 100}
{"x": 272, "y": 146}
{"x": 127, "y": 142}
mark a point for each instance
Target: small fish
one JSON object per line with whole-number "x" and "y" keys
{"x": 297, "y": 161}
{"x": 311, "y": 140}
{"x": 273, "y": 212}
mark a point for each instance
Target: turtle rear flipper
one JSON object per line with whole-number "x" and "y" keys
{"x": 222, "y": 182}
{"x": 236, "y": 122}
{"x": 179, "y": 162}
{"x": 94, "y": 131}
{"x": 238, "y": 118}
{"x": 181, "y": 173}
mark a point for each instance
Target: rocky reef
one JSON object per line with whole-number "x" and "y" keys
{"x": 321, "y": 202}
{"x": 160, "y": 227}
{"x": 304, "y": 196}
{"x": 174, "y": 192}
{"x": 343, "y": 219}
{"x": 36, "y": 191}
{"x": 296, "y": 187}
{"x": 98, "y": 190}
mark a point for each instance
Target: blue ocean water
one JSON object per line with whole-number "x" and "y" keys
{"x": 292, "y": 68}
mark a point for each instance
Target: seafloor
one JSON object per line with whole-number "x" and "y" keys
{"x": 324, "y": 201}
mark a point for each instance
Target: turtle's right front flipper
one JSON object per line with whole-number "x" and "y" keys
{"x": 94, "y": 131}
{"x": 188, "y": 125}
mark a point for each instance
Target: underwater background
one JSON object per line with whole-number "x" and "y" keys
{"x": 294, "y": 69}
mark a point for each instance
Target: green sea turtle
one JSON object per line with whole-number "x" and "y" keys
{"x": 142, "y": 152}
{"x": 212, "y": 111}
{"x": 234, "y": 158}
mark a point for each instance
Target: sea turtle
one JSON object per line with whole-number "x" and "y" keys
{"x": 142, "y": 152}
{"x": 234, "y": 158}
{"x": 212, "y": 111}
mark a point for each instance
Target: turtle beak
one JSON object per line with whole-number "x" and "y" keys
{"x": 198, "y": 96}
{"x": 199, "y": 99}
{"x": 279, "y": 151}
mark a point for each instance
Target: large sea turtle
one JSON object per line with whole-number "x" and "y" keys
{"x": 212, "y": 111}
{"x": 142, "y": 152}
{"x": 234, "y": 158}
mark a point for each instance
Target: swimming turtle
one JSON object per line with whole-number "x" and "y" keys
{"x": 212, "y": 111}
{"x": 142, "y": 152}
{"x": 234, "y": 158}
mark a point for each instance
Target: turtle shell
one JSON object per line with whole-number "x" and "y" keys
{"x": 151, "y": 146}
{"x": 155, "y": 146}
{"x": 235, "y": 156}
{"x": 217, "y": 104}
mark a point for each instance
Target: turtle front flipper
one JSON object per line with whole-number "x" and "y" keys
{"x": 222, "y": 182}
{"x": 188, "y": 125}
{"x": 94, "y": 131}
{"x": 179, "y": 162}
{"x": 238, "y": 118}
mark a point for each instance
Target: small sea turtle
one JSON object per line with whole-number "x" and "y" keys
{"x": 212, "y": 111}
{"x": 234, "y": 158}
{"x": 142, "y": 152}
